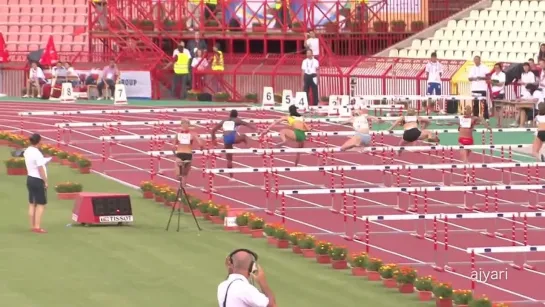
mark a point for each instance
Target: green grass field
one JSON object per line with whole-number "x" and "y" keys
{"x": 142, "y": 265}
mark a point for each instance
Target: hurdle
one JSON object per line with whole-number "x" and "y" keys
{"x": 444, "y": 219}
{"x": 520, "y": 249}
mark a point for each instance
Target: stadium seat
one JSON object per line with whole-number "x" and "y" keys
{"x": 506, "y": 31}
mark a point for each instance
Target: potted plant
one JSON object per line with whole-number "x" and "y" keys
{"x": 332, "y": 27}
{"x": 251, "y": 97}
{"x": 159, "y": 192}
{"x": 424, "y": 287}
{"x": 192, "y": 95}
{"x": 4, "y": 138}
{"x": 417, "y": 26}
{"x": 147, "y": 189}
{"x": 242, "y": 221}
{"x": 324, "y": 100}
{"x": 387, "y": 274}
{"x": 358, "y": 263}
{"x": 322, "y": 252}
{"x": 270, "y": 230}
{"x": 380, "y": 26}
{"x": 278, "y": 98}
{"x": 211, "y": 24}
{"x": 443, "y": 294}
{"x": 146, "y": 25}
{"x": 500, "y": 305}
{"x": 53, "y": 151}
{"x": 298, "y": 27}
{"x": 258, "y": 27}
{"x": 203, "y": 209}
{"x": 214, "y": 211}
{"x": 68, "y": 190}
{"x": 372, "y": 267}
{"x": 282, "y": 235}
{"x": 84, "y": 165}
{"x": 338, "y": 256}
{"x": 398, "y": 26}
{"x": 15, "y": 166}
{"x": 221, "y": 97}
{"x": 170, "y": 199}
{"x": 462, "y": 297}
{"x": 405, "y": 278}
{"x": 481, "y": 301}
{"x": 73, "y": 158}
{"x": 45, "y": 149}
{"x": 294, "y": 240}
{"x": 63, "y": 156}
{"x": 256, "y": 225}
{"x": 169, "y": 24}
{"x": 307, "y": 245}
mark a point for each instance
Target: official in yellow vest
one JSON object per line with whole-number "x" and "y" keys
{"x": 181, "y": 73}
{"x": 217, "y": 59}
{"x": 283, "y": 16}
{"x": 210, "y": 9}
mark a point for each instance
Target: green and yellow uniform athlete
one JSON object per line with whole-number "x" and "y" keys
{"x": 296, "y": 132}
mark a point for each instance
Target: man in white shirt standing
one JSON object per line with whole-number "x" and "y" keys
{"x": 434, "y": 72}
{"x": 477, "y": 77}
{"x": 312, "y": 43}
{"x": 309, "y": 72}
{"x": 36, "y": 183}
{"x": 237, "y": 291}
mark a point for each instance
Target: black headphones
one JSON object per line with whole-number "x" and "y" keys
{"x": 252, "y": 266}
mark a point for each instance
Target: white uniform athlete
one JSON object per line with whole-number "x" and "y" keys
{"x": 360, "y": 122}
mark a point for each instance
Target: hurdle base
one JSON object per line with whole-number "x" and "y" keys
{"x": 204, "y": 190}
{"x": 437, "y": 268}
{"x": 492, "y": 234}
{"x": 529, "y": 267}
{"x": 418, "y": 235}
{"x": 347, "y": 238}
{"x": 333, "y": 210}
{"x": 535, "y": 207}
{"x": 268, "y": 212}
{"x": 399, "y": 209}
{"x": 413, "y": 209}
{"x": 516, "y": 266}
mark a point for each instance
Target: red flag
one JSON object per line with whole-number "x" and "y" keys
{"x": 50, "y": 56}
{"x": 79, "y": 30}
{"x": 4, "y": 55}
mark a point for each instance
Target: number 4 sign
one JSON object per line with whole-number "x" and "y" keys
{"x": 301, "y": 100}
{"x": 120, "y": 95}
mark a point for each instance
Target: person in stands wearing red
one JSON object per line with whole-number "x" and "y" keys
{"x": 465, "y": 128}
{"x": 36, "y": 78}
{"x": 109, "y": 77}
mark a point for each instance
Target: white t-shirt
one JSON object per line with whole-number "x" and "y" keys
{"x": 314, "y": 45}
{"x": 186, "y": 51}
{"x": 542, "y": 79}
{"x": 478, "y": 72}
{"x": 525, "y": 78}
{"x": 34, "y": 160}
{"x": 310, "y": 66}
{"x": 36, "y": 73}
{"x": 201, "y": 62}
{"x": 434, "y": 70}
{"x": 499, "y": 77}
{"x": 241, "y": 293}
{"x": 537, "y": 95}
{"x": 360, "y": 123}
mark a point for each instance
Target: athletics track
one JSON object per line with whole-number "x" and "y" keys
{"x": 389, "y": 241}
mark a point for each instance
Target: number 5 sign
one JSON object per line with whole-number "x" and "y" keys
{"x": 120, "y": 95}
{"x": 287, "y": 99}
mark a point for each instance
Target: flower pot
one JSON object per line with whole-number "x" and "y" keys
{"x": 339, "y": 264}
{"x": 357, "y": 271}
{"x": 296, "y": 249}
{"x": 445, "y": 302}
{"x": 65, "y": 162}
{"x": 197, "y": 212}
{"x": 147, "y": 194}
{"x": 405, "y": 288}
{"x": 159, "y": 199}
{"x": 257, "y": 233}
{"x": 373, "y": 275}
{"x": 206, "y": 216}
{"x": 308, "y": 253}
{"x": 216, "y": 219}
{"x": 16, "y": 171}
{"x": 389, "y": 283}
{"x": 283, "y": 243}
{"x": 84, "y": 170}
{"x": 55, "y": 159}
{"x": 425, "y": 296}
{"x": 323, "y": 259}
{"x": 74, "y": 165}
{"x": 67, "y": 196}
{"x": 272, "y": 240}
{"x": 244, "y": 229}
{"x": 259, "y": 28}
{"x": 229, "y": 228}
{"x": 398, "y": 28}
{"x": 4, "y": 142}
{"x": 186, "y": 208}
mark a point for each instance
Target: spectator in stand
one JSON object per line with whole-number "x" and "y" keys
{"x": 541, "y": 53}
{"x": 196, "y": 44}
{"x": 310, "y": 74}
{"x": 532, "y": 94}
{"x": 181, "y": 73}
{"x": 92, "y": 78}
{"x": 195, "y": 13}
{"x": 217, "y": 66}
{"x": 541, "y": 79}
{"x": 71, "y": 74}
{"x": 36, "y": 78}
{"x": 59, "y": 74}
{"x": 527, "y": 77}
{"x": 283, "y": 16}
{"x": 477, "y": 77}
{"x": 110, "y": 76}
{"x": 497, "y": 79}
{"x": 199, "y": 63}
{"x": 434, "y": 72}
{"x": 312, "y": 43}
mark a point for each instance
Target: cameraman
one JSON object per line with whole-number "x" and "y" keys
{"x": 237, "y": 291}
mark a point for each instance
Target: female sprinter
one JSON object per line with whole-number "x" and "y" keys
{"x": 183, "y": 149}
{"x": 412, "y": 134}
{"x": 540, "y": 134}
{"x": 231, "y": 135}
{"x": 360, "y": 122}
{"x": 297, "y": 132}
{"x": 465, "y": 136}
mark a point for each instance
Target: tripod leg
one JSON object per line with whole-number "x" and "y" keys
{"x": 172, "y": 211}
{"x": 191, "y": 208}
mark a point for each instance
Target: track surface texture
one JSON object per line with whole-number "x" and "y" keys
{"x": 390, "y": 241}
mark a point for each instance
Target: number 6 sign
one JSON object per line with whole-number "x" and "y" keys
{"x": 268, "y": 96}
{"x": 120, "y": 95}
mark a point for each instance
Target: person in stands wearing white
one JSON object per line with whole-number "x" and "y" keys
{"x": 110, "y": 76}
{"x": 237, "y": 291}
{"x": 497, "y": 79}
{"x": 541, "y": 79}
{"x": 533, "y": 94}
{"x": 310, "y": 74}
{"x": 36, "y": 183}
{"x": 36, "y": 78}
{"x": 434, "y": 72}
{"x": 477, "y": 77}
{"x": 527, "y": 77}
{"x": 312, "y": 43}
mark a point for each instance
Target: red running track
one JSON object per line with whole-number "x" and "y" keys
{"x": 389, "y": 241}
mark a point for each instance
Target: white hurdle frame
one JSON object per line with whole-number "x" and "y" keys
{"x": 522, "y": 249}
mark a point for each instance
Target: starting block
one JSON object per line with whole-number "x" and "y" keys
{"x": 120, "y": 95}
